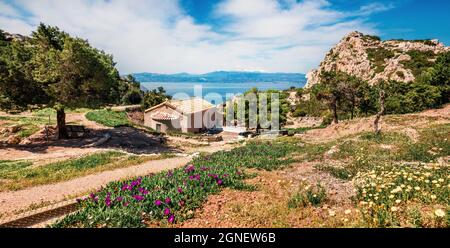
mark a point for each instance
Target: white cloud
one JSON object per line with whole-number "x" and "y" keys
{"x": 159, "y": 36}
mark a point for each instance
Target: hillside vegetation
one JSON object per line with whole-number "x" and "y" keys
{"x": 399, "y": 178}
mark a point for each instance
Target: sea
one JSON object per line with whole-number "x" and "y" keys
{"x": 223, "y": 91}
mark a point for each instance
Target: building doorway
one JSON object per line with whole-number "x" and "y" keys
{"x": 158, "y": 128}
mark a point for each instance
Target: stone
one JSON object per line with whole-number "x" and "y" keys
{"x": 13, "y": 140}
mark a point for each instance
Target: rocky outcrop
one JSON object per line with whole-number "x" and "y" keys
{"x": 371, "y": 59}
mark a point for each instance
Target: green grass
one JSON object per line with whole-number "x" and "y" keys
{"x": 21, "y": 174}
{"x": 260, "y": 155}
{"x": 308, "y": 195}
{"x": 108, "y": 118}
{"x": 292, "y": 131}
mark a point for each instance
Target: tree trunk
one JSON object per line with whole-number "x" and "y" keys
{"x": 353, "y": 109}
{"x": 61, "y": 123}
{"x": 335, "y": 115}
{"x": 376, "y": 126}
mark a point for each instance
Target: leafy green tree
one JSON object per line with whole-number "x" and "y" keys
{"x": 253, "y": 104}
{"x": 72, "y": 73}
{"x": 440, "y": 77}
{"x": 333, "y": 90}
{"x": 16, "y": 82}
{"x": 130, "y": 90}
{"x": 155, "y": 97}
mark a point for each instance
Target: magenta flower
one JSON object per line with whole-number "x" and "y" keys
{"x": 168, "y": 200}
{"x": 181, "y": 203}
{"x": 189, "y": 168}
{"x": 180, "y": 190}
{"x": 213, "y": 176}
{"x": 138, "y": 197}
{"x": 119, "y": 198}
{"x": 166, "y": 211}
{"x": 195, "y": 177}
{"x": 171, "y": 218}
{"x": 219, "y": 182}
{"x": 158, "y": 203}
{"x": 125, "y": 187}
{"x": 169, "y": 173}
{"x": 126, "y": 204}
{"x": 108, "y": 200}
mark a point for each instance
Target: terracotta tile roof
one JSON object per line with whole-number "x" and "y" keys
{"x": 163, "y": 116}
{"x": 191, "y": 105}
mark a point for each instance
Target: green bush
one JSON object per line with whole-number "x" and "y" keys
{"x": 309, "y": 195}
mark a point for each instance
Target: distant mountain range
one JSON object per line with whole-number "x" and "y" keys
{"x": 222, "y": 77}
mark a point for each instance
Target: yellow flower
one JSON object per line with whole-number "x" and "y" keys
{"x": 433, "y": 197}
{"x": 331, "y": 213}
{"x": 398, "y": 201}
{"x": 417, "y": 188}
{"x": 439, "y": 213}
{"x": 394, "y": 209}
{"x": 348, "y": 211}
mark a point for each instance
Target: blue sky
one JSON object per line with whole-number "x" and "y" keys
{"x": 199, "y": 36}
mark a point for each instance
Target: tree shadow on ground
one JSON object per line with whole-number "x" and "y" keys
{"x": 128, "y": 139}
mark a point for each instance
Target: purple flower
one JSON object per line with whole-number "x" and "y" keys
{"x": 108, "y": 201}
{"x": 138, "y": 197}
{"x": 119, "y": 198}
{"x": 169, "y": 173}
{"x": 168, "y": 200}
{"x": 145, "y": 192}
{"x": 213, "y": 176}
{"x": 189, "y": 168}
{"x": 219, "y": 182}
{"x": 195, "y": 177}
{"x": 171, "y": 218}
{"x": 93, "y": 197}
{"x": 204, "y": 168}
{"x": 79, "y": 200}
{"x": 180, "y": 190}
{"x": 225, "y": 175}
{"x": 125, "y": 187}
{"x": 158, "y": 203}
{"x": 181, "y": 203}
{"x": 166, "y": 211}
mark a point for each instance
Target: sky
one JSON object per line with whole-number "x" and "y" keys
{"x": 199, "y": 36}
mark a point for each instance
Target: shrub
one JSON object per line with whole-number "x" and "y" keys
{"x": 308, "y": 195}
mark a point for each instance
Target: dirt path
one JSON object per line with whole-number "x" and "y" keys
{"x": 12, "y": 201}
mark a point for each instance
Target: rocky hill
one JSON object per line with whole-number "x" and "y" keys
{"x": 371, "y": 59}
